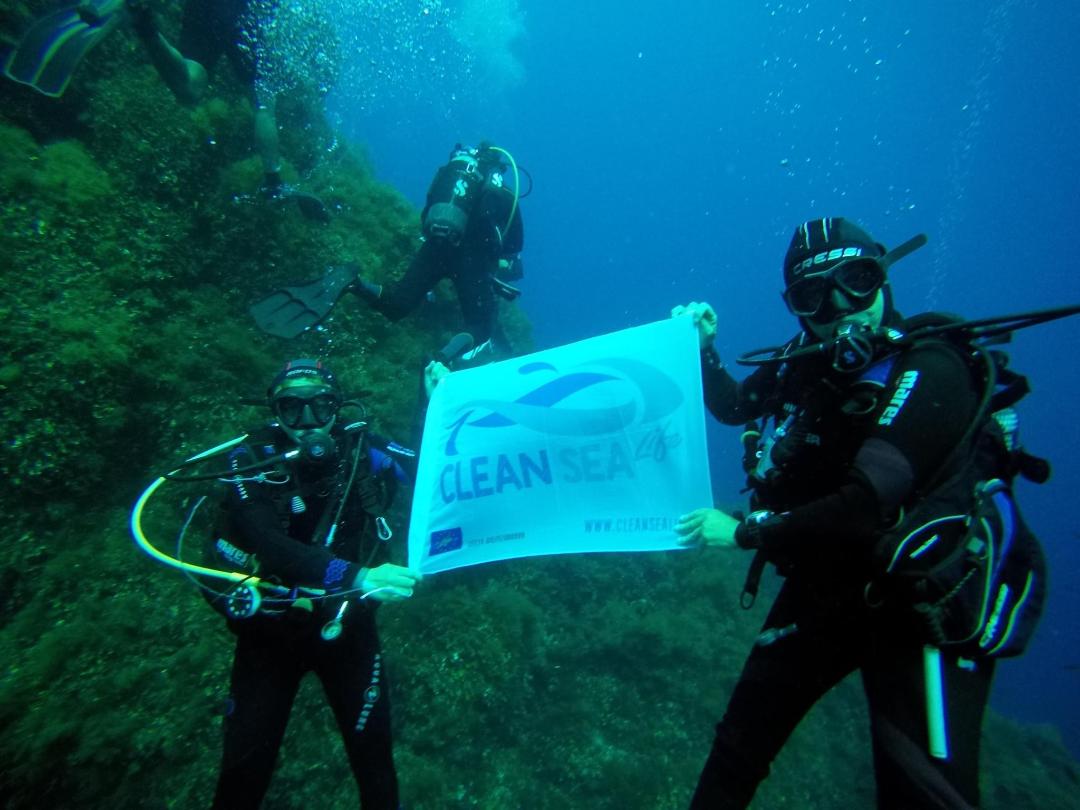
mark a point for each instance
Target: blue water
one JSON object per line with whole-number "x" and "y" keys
{"x": 675, "y": 146}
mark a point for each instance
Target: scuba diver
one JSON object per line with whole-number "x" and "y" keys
{"x": 272, "y": 49}
{"x": 302, "y": 541}
{"x": 877, "y": 434}
{"x": 472, "y": 234}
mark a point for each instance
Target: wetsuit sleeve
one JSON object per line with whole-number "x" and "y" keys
{"x": 913, "y": 432}
{"x": 731, "y": 402}
{"x": 254, "y": 519}
{"x": 392, "y": 459}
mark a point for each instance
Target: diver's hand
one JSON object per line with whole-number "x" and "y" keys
{"x": 707, "y": 527}
{"x": 704, "y": 319}
{"x": 434, "y": 373}
{"x": 389, "y": 583}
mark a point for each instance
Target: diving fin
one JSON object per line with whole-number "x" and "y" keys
{"x": 290, "y": 311}
{"x": 49, "y": 52}
{"x": 457, "y": 346}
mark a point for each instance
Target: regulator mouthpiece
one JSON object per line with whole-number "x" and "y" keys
{"x": 852, "y": 348}
{"x": 317, "y": 448}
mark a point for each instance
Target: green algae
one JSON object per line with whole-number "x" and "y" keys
{"x": 133, "y": 246}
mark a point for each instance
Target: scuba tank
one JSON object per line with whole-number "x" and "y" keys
{"x": 453, "y": 195}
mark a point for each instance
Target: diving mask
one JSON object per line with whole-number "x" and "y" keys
{"x": 296, "y": 411}
{"x": 859, "y": 279}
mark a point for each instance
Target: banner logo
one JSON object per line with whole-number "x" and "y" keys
{"x": 648, "y": 396}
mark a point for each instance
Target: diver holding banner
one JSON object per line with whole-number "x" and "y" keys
{"x": 880, "y": 454}
{"x": 297, "y": 562}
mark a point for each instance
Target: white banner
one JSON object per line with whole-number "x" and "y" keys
{"x": 595, "y": 446}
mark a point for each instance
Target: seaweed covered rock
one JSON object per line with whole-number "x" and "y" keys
{"x": 133, "y": 245}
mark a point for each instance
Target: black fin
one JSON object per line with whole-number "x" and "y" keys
{"x": 454, "y": 348}
{"x": 290, "y": 311}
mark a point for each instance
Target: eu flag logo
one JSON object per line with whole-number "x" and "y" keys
{"x": 445, "y": 540}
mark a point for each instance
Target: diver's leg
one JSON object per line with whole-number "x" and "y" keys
{"x": 779, "y": 684}
{"x": 399, "y": 298}
{"x": 354, "y": 678}
{"x": 499, "y": 339}
{"x": 186, "y": 78}
{"x": 266, "y": 138}
{"x": 264, "y": 683}
{"x": 908, "y": 777}
{"x": 476, "y": 296}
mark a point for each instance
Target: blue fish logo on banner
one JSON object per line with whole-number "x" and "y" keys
{"x": 595, "y": 446}
{"x": 539, "y": 410}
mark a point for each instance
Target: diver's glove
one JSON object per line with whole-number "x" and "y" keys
{"x": 143, "y": 20}
{"x": 707, "y": 527}
{"x": 434, "y": 373}
{"x": 704, "y": 319}
{"x": 387, "y": 583}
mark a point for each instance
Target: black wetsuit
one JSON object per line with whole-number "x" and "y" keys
{"x": 470, "y": 265}
{"x": 276, "y": 647}
{"x": 847, "y": 465}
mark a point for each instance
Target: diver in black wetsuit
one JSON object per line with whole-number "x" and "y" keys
{"x": 473, "y": 234}
{"x": 860, "y": 436}
{"x": 239, "y": 30}
{"x": 313, "y": 521}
